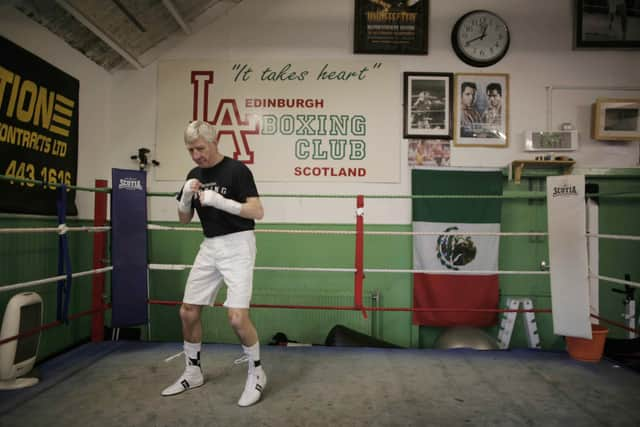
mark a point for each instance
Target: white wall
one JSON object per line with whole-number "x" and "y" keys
{"x": 118, "y": 112}
{"x": 540, "y": 55}
{"x": 95, "y": 94}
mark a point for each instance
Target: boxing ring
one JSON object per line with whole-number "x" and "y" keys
{"x": 119, "y": 382}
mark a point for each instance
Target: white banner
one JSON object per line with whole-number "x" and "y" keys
{"x": 568, "y": 255}
{"x": 297, "y": 121}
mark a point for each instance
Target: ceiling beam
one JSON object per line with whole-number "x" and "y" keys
{"x": 129, "y": 15}
{"x": 98, "y": 32}
{"x": 177, "y": 16}
{"x": 211, "y": 13}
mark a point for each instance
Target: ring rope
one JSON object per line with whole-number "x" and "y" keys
{"x": 353, "y": 232}
{"x": 456, "y": 272}
{"x": 54, "y": 324}
{"x": 186, "y": 266}
{"x": 366, "y": 308}
{"x": 405, "y": 233}
{"x": 614, "y": 323}
{"x": 400, "y": 309}
{"x": 618, "y": 281}
{"x": 453, "y": 233}
{"x": 614, "y": 236}
{"x": 55, "y": 184}
{"x": 198, "y": 229}
{"x": 319, "y": 269}
{"x": 59, "y": 229}
{"x": 399, "y": 233}
{"x": 62, "y": 229}
{"x": 352, "y": 270}
{"x": 343, "y": 232}
{"x": 93, "y": 229}
{"x": 53, "y": 279}
{"x": 506, "y": 195}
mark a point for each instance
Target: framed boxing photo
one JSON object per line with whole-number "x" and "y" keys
{"x": 616, "y": 119}
{"x": 427, "y": 105}
{"x": 481, "y": 110}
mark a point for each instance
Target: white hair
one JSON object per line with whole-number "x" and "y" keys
{"x": 199, "y": 129}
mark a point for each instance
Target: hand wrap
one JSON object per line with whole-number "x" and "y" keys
{"x": 188, "y": 191}
{"x": 217, "y": 200}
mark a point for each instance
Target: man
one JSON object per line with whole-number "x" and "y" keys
{"x": 493, "y": 114}
{"x": 469, "y": 116}
{"x": 224, "y": 193}
{"x": 420, "y": 110}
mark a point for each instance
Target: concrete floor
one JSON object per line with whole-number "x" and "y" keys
{"x": 119, "y": 384}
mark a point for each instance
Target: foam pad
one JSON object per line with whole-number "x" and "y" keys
{"x": 341, "y": 336}
{"x": 129, "y": 248}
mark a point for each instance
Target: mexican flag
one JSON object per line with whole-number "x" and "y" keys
{"x": 455, "y": 264}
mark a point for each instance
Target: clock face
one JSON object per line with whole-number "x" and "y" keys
{"x": 480, "y": 38}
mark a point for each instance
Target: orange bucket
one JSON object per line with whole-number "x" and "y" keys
{"x": 586, "y": 350}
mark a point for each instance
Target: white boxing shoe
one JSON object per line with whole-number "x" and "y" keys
{"x": 191, "y": 378}
{"x": 254, "y": 387}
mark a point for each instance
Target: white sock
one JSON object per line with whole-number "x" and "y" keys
{"x": 253, "y": 352}
{"x": 192, "y": 351}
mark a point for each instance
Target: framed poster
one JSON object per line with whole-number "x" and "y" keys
{"x": 616, "y": 119}
{"x": 429, "y": 153}
{"x": 606, "y": 24}
{"x": 427, "y": 105}
{"x": 386, "y": 27}
{"x": 481, "y": 110}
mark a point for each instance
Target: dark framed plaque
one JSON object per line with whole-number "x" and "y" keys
{"x": 391, "y": 27}
{"x": 428, "y": 105}
{"x": 612, "y": 24}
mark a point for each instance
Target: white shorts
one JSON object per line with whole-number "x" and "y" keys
{"x": 230, "y": 257}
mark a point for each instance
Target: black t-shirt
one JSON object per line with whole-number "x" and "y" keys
{"x": 232, "y": 179}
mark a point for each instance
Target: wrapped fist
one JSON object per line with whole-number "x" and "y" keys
{"x": 218, "y": 201}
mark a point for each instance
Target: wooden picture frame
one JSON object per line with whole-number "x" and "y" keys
{"x": 384, "y": 27}
{"x": 602, "y": 24}
{"x": 427, "y": 105}
{"x": 616, "y": 119}
{"x": 481, "y": 110}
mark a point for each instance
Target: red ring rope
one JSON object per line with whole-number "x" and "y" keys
{"x": 364, "y": 308}
{"x": 614, "y": 323}
{"x": 54, "y": 324}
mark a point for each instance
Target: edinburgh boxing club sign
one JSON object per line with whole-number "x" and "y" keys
{"x": 305, "y": 121}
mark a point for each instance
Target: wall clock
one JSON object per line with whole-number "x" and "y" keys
{"x": 480, "y": 38}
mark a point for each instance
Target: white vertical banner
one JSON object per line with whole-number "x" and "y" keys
{"x": 593, "y": 249}
{"x": 566, "y": 215}
{"x": 288, "y": 121}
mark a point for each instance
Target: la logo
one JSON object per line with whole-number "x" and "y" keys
{"x": 226, "y": 119}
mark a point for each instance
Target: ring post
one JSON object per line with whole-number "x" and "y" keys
{"x": 99, "y": 253}
{"x": 359, "y": 263}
